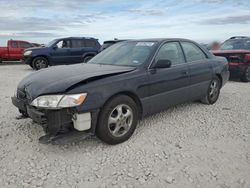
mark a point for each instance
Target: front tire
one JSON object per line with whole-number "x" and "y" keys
{"x": 24, "y": 114}
{"x": 246, "y": 75}
{"x": 40, "y": 63}
{"x": 117, "y": 120}
{"x": 31, "y": 65}
{"x": 213, "y": 91}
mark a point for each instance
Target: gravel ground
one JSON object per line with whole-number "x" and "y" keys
{"x": 191, "y": 145}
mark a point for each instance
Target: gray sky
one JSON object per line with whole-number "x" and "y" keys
{"x": 202, "y": 20}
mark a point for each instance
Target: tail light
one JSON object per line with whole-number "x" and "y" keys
{"x": 247, "y": 57}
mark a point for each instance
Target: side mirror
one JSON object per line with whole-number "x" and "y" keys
{"x": 55, "y": 47}
{"x": 163, "y": 63}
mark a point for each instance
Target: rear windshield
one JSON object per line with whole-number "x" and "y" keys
{"x": 237, "y": 44}
{"x": 106, "y": 45}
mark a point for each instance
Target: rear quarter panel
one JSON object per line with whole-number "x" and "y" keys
{"x": 220, "y": 67}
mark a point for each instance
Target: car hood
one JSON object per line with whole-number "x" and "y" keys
{"x": 60, "y": 78}
{"x": 34, "y": 48}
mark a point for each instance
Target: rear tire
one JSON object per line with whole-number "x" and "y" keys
{"x": 117, "y": 120}
{"x": 246, "y": 75}
{"x": 40, "y": 63}
{"x": 86, "y": 59}
{"x": 213, "y": 91}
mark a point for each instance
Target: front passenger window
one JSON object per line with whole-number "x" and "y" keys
{"x": 171, "y": 51}
{"x": 63, "y": 44}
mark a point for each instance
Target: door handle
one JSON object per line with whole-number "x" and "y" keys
{"x": 184, "y": 72}
{"x": 152, "y": 71}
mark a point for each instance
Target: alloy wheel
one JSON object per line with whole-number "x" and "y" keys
{"x": 40, "y": 63}
{"x": 214, "y": 89}
{"x": 120, "y": 120}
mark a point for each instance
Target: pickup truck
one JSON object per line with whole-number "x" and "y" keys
{"x": 14, "y": 50}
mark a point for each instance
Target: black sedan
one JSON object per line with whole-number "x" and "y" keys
{"x": 126, "y": 82}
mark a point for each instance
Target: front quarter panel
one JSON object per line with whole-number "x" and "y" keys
{"x": 102, "y": 90}
{"x": 41, "y": 52}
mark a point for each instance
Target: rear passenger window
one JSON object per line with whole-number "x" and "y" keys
{"x": 13, "y": 44}
{"x": 90, "y": 43}
{"x": 171, "y": 51}
{"x": 77, "y": 43}
{"x": 192, "y": 52}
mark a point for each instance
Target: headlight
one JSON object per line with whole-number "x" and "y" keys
{"x": 27, "y": 53}
{"x": 59, "y": 101}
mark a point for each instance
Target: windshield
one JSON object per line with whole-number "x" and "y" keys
{"x": 130, "y": 53}
{"x": 236, "y": 44}
{"x": 51, "y": 43}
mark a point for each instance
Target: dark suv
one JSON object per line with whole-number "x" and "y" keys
{"x": 237, "y": 51}
{"x": 62, "y": 51}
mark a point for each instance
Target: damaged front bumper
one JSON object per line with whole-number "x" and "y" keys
{"x": 59, "y": 121}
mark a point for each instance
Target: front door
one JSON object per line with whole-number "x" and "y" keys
{"x": 168, "y": 86}
{"x": 61, "y": 52}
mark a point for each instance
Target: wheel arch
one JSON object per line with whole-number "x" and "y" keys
{"x": 220, "y": 78}
{"x": 89, "y": 54}
{"x": 133, "y": 96}
{"x": 44, "y": 56}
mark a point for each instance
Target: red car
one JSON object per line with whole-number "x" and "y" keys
{"x": 14, "y": 50}
{"x": 237, "y": 52}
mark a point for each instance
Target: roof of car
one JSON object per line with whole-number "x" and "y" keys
{"x": 114, "y": 41}
{"x": 160, "y": 39}
{"x": 79, "y": 38}
{"x": 239, "y": 37}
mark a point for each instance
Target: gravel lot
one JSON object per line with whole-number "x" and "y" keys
{"x": 191, "y": 145}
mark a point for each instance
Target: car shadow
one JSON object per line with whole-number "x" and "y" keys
{"x": 234, "y": 79}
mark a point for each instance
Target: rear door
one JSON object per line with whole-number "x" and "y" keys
{"x": 168, "y": 86}
{"x": 200, "y": 69}
{"x": 61, "y": 54}
{"x": 90, "y": 46}
{"x": 77, "y": 50}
